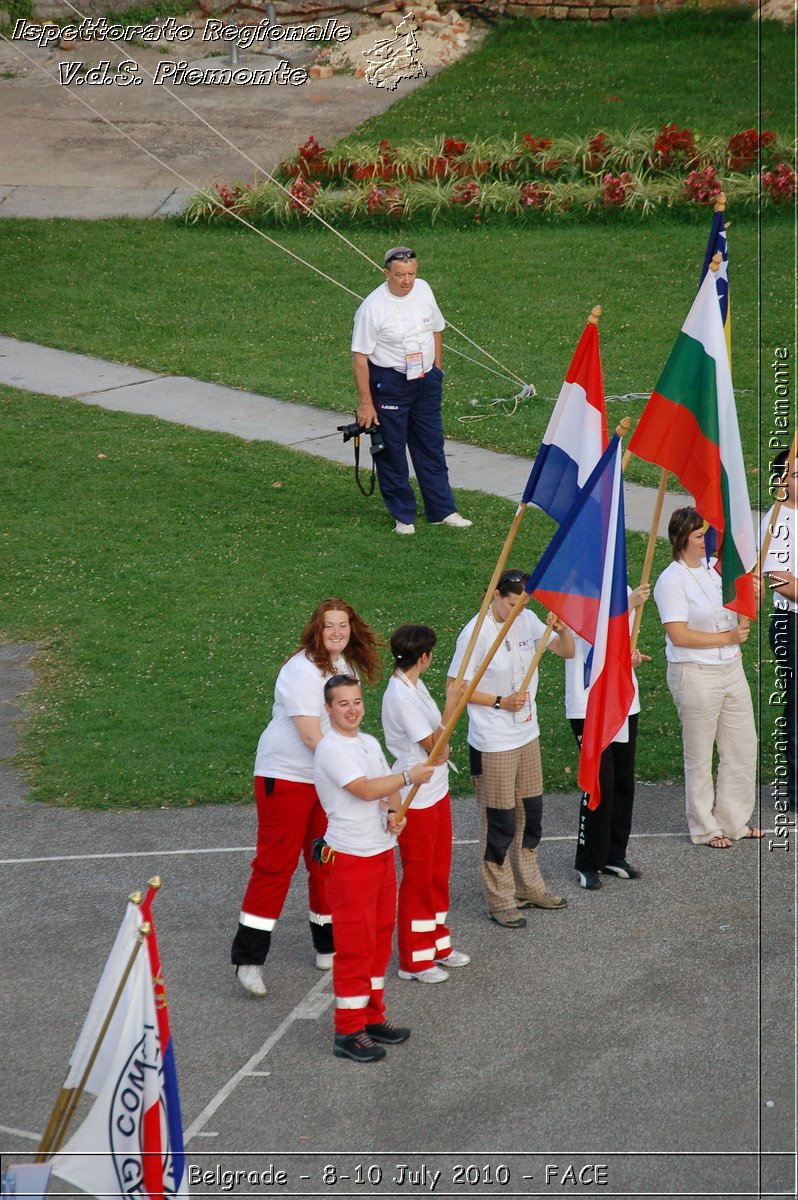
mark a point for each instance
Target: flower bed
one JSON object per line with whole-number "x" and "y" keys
{"x": 639, "y": 173}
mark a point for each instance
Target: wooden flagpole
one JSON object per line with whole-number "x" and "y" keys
{"x": 463, "y": 701}
{"x": 592, "y": 319}
{"x": 64, "y": 1109}
{"x": 650, "y": 548}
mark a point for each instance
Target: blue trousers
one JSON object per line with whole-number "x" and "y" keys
{"x": 409, "y": 412}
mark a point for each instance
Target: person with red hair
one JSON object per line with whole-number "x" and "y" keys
{"x": 335, "y": 641}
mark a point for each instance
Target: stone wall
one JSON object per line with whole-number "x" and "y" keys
{"x": 557, "y": 10}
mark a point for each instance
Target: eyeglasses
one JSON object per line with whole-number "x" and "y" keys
{"x": 514, "y": 579}
{"x": 401, "y": 256}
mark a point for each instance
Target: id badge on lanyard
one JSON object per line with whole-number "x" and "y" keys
{"x": 414, "y": 364}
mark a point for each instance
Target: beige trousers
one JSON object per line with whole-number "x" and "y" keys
{"x": 509, "y": 790}
{"x": 714, "y": 707}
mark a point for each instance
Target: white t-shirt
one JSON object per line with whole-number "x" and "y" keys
{"x": 695, "y": 595}
{"x": 782, "y": 552}
{"x": 298, "y": 692}
{"x": 493, "y": 729}
{"x": 575, "y": 690}
{"x": 409, "y": 714}
{"x": 388, "y": 327}
{"x": 353, "y": 826}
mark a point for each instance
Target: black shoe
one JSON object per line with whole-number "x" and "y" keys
{"x": 357, "y": 1046}
{"x": 387, "y": 1033}
{"x": 622, "y": 869}
{"x": 589, "y": 880}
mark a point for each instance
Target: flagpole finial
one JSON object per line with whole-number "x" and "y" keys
{"x": 717, "y": 259}
{"x": 720, "y": 202}
{"x": 623, "y": 428}
{"x": 155, "y": 882}
{"x": 595, "y": 313}
{"x": 146, "y": 929}
{"x": 135, "y": 897}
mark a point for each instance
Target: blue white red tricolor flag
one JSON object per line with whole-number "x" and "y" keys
{"x": 131, "y": 1142}
{"x": 582, "y": 578}
{"x": 576, "y": 434}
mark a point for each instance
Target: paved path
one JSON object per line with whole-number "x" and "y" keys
{"x": 248, "y": 415}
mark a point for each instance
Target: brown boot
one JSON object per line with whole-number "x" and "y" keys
{"x": 537, "y": 894}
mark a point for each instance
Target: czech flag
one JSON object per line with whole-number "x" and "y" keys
{"x": 576, "y": 434}
{"x": 582, "y": 578}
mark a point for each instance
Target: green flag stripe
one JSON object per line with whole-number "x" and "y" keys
{"x": 688, "y": 378}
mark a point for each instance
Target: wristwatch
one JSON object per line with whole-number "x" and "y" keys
{"x": 497, "y": 703}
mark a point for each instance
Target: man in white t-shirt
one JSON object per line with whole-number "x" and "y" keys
{"x": 396, "y": 361}
{"x": 360, "y": 796}
{"x": 504, "y": 747}
{"x": 781, "y": 568}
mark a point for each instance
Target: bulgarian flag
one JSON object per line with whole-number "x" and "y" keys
{"x": 689, "y": 427}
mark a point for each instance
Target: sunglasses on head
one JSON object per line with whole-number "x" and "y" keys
{"x": 401, "y": 256}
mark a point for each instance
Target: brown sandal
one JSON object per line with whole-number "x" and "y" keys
{"x": 719, "y": 843}
{"x": 754, "y": 833}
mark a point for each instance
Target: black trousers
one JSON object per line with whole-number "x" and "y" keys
{"x": 783, "y": 637}
{"x": 603, "y": 833}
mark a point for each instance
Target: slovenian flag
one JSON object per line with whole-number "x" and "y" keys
{"x": 689, "y": 427}
{"x": 576, "y": 434}
{"x": 582, "y": 578}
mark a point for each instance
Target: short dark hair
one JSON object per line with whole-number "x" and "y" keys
{"x": 409, "y": 642}
{"x": 511, "y": 582}
{"x": 683, "y": 522}
{"x": 338, "y": 681}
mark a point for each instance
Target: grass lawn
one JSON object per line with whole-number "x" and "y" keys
{"x": 223, "y": 305}
{"x": 160, "y": 570}
{"x": 548, "y": 78}
{"x": 164, "y": 573}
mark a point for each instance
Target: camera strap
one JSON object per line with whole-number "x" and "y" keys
{"x": 373, "y": 480}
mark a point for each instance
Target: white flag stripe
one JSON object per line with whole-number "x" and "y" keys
{"x": 110, "y": 979}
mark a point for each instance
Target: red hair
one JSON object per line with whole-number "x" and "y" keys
{"x": 361, "y": 649}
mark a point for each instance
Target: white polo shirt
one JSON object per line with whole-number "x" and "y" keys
{"x": 493, "y": 729}
{"x": 298, "y": 692}
{"x": 695, "y": 595}
{"x": 409, "y": 714}
{"x": 782, "y": 552}
{"x": 353, "y": 826}
{"x": 387, "y": 327}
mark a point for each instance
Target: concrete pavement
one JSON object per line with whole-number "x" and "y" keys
{"x": 642, "y": 1037}
{"x": 248, "y": 415}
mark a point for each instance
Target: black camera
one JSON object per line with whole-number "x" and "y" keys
{"x": 354, "y": 431}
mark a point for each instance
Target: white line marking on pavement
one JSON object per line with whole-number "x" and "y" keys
{"x": 296, "y": 1013}
{"x": 10, "y": 862}
{"x": 34, "y": 1137}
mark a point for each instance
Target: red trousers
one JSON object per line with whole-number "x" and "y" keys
{"x": 425, "y": 847}
{"x": 362, "y": 896}
{"x": 289, "y": 818}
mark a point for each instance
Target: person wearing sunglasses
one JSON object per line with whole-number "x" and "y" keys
{"x": 396, "y": 362}
{"x": 504, "y": 752}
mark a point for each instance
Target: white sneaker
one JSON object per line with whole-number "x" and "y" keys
{"x": 324, "y": 962}
{"x": 455, "y": 521}
{"x": 250, "y": 976}
{"x": 400, "y": 527}
{"x": 430, "y": 975}
{"x": 455, "y": 958}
